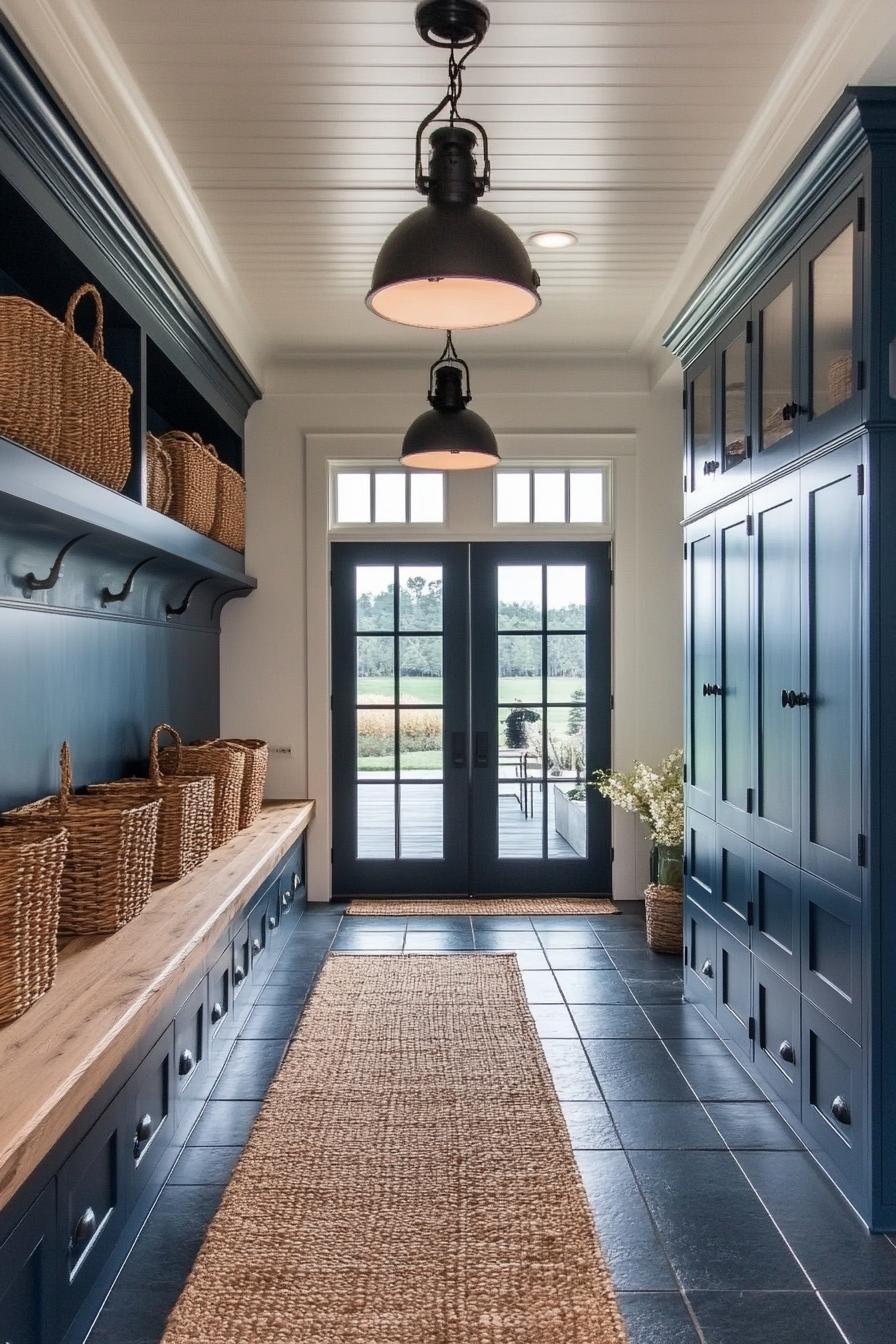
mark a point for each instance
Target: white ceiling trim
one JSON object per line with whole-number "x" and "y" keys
{"x": 835, "y": 50}
{"x": 70, "y": 43}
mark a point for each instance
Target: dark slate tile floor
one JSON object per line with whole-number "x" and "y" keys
{"x": 717, "y": 1226}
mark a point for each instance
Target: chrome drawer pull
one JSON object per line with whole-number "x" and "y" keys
{"x": 272, "y": 921}
{"x": 706, "y": 969}
{"x": 217, "y": 1012}
{"x": 85, "y": 1228}
{"x": 787, "y": 1052}
{"x": 256, "y": 945}
{"x": 239, "y": 975}
{"x": 840, "y": 1110}
{"x": 186, "y": 1063}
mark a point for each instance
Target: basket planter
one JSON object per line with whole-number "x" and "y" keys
{"x": 229, "y": 525}
{"x": 107, "y": 875}
{"x": 663, "y": 912}
{"x": 30, "y": 887}
{"x": 194, "y": 480}
{"x": 186, "y": 811}
{"x": 226, "y": 766}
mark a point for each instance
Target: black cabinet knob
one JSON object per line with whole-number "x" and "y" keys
{"x": 791, "y": 410}
{"x": 706, "y": 688}
{"x": 840, "y": 1110}
{"x": 186, "y": 1063}
{"x": 239, "y": 975}
{"x": 256, "y": 945}
{"x": 144, "y": 1128}
{"x": 217, "y": 1012}
{"x": 787, "y": 1052}
{"x": 284, "y": 900}
{"x": 272, "y": 921}
{"x": 706, "y": 969}
{"x": 709, "y": 468}
{"x": 85, "y": 1228}
{"x": 715, "y": 690}
{"x": 801, "y": 698}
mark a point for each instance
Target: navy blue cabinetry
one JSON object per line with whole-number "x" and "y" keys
{"x": 790, "y": 608}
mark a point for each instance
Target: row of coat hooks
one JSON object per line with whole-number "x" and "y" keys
{"x": 31, "y": 584}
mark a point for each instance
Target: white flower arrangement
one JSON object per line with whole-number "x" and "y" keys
{"x": 656, "y": 793}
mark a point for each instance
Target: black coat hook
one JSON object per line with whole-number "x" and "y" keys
{"x": 32, "y": 584}
{"x": 179, "y": 611}
{"x": 107, "y": 596}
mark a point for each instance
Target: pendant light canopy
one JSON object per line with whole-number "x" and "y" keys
{"x": 449, "y": 437}
{"x": 451, "y": 265}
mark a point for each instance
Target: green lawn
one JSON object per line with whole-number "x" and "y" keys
{"x": 411, "y": 760}
{"x": 428, "y": 690}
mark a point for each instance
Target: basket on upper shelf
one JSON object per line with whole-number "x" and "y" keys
{"x": 107, "y": 875}
{"x": 58, "y": 395}
{"x": 187, "y": 480}
{"x": 184, "y": 838}
{"x": 30, "y": 886}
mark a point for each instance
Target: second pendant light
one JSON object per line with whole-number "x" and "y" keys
{"x": 449, "y": 437}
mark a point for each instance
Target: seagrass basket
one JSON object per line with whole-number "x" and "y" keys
{"x": 158, "y": 475}
{"x": 663, "y": 912}
{"x": 229, "y": 526}
{"x": 107, "y": 874}
{"x": 31, "y": 342}
{"x": 255, "y": 772}
{"x": 94, "y": 434}
{"x": 30, "y": 885}
{"x": 184, "y": 838}
{"x": 225, "y": 764}
{"x": 194, "y": 480}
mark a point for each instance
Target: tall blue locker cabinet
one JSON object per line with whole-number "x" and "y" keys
{"x": 789, "y": 351}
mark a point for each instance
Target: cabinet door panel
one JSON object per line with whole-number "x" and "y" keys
{"x": 734, "y": 766}
{"x": 776, "y": 371}
{"x": 700, "y": 957}
{"x": 149, "y": 1113}
{"x": 776, "y": 1007}
{"x": 733, "y": 349}
{"x": 733, "y": 906}
{"x": 700, "y": 709}
{"x": 776, "y": 665}
{"x": 702, "y": 453}
{"x": 27, "y": 1266}
{"x": 831, "y": 286}
{"x": 832, "y": 668}
{"x": 833, "y": 1091}
{"x": 776, "y": 914}
{"x": 191, "y": 1043}
{"x": 91, "y": 1207}
{"x": 832, "y": 953}
{"x": 700, "y": 856}
{"x": 734, "y": 993}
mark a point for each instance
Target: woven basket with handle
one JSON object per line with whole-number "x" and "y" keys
{"x": 107, "y": 875}
{"x": 229, "y": 526}
{"x": 194, "y": 480}
{"x": 30, "y": 886}
{"x": 663, "y": 912}
{"x": 31, "y": 344}
{"x": 255, "y": 771}
{"x": 158, "y": 475}
{"x": 184, "y": 837}
{"x": 95, "y": 434}
{"x": 225, "y": 764}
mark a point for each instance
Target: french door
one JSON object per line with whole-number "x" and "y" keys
{"x": 471, "y": 702}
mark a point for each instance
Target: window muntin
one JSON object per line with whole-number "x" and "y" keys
{"x": 552, "y": 496}
{"x": 387, "y": 497}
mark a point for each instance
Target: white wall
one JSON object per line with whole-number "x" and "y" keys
{"x": 268, "y": 651}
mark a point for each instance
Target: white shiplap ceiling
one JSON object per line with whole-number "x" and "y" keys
{"x": 294, "y": 120}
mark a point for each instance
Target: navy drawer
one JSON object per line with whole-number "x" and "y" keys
{"x": 735, "y": 884}
{"x": 700, "y": 957}
{"x": 776, "y": 914}
{"x": 91, "y": 1207}
{"x": 220, "y": 998}
{"x": 833, "y": 1091}
{"x": 258, "y": 937}
{"x": 191, "y": 1043}
{"x": 242, "y": 964}
{"x": 27, "y": 1268}
{"x": 734, "y": 993}
{"x": 832, "y": 953}
{"x": 149, "y": 1113}
{"x": 778, "y": 1047}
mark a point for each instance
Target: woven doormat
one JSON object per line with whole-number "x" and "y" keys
{"x": 409, "y": 1179}
{"x": 516, "y": 905}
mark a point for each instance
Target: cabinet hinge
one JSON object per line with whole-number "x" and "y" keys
{"x": 749, "y": 914}
{"x": 749, "y": 333}
{"x": 860, "y": 479}
{"x": 612, "y": 854}
{"x": 751, "y": 1028}
{"x": 331, "y": 702}
{"x": 611, "y": 578}
{"x": 612, "y": 702}
{"x": 862, "y": 850}
{"x": 685, "y": 954}
{"x": 684, "y": 399}
{"x": 749, "y": 524}
{"x": 684, "y": 865}
{"x": 749, "y": 445}
{"x": 331, "y": 855}
{"x": 684, "y": 550}
{"x": 684, "y": 484}
{"x": 330, "y": 578}
{"x": 684, "y": 773}
{"x": 749, "y": 800}
{"x": 860, "y": 375}
{"x": 860, "y": 214}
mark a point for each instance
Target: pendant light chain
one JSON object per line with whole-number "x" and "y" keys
{"x": 451, "y": 101}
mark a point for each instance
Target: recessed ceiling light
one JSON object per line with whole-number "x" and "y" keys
{"x": 553, "y": 238}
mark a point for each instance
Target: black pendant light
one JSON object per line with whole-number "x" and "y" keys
{"x": 449, "y": 437}
{"x": 451, "y": 265}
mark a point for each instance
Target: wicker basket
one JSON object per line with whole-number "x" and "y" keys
{"x": 30, "y": 884}
{"x": 31, "y": 342}
{"x": 184, "y": 838}
{"x": 225, "y": 765}
{"x": 158, "y": 475}
{"x": 229, "y": 526}
{"x": 255, "y": 772}
{"x": 107, "y": 875}
{"x": 95, "y": 433}
{"x": 663, "y": 911}
{"x": 194, "y": 480}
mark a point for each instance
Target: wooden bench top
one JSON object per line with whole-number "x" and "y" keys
{"x": 109, "y": 990}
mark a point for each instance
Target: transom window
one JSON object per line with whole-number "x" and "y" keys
{"x": 558, "y": 495}
{"x": 387, "y": 497}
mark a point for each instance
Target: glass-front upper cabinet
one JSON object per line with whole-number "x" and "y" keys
{"x": 702, "y": 457}
{"x": 733, "y": 349}
{"x": 776, "y": 370}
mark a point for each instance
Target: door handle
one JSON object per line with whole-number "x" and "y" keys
{"x": 480, "y": 750}
{"x": 458, "y": 749}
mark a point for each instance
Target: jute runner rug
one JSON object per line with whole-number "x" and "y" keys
{"x": 517, "y": 905}
{"x": 409, "y": 1179}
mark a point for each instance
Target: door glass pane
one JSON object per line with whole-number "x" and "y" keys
{"x": 420, "y": 742}
{"x": 567, "y": 821}
{"x": 353, "y": 497}
{"x": 776, "y": 335}
{"x": 566, "y": 597}
{"x": 566, "y": 742}
{"x": 420, "y": 660}
{"x": 421, "y": 821}
{"x": 376, "y": 742}
{"x": 832, "y": 312}
{"x": 586, "y": 497}
{"x": 519, "y": 597}
{"x": 701, "y": 419}
{"x": 512, "y": 501}
{"x": 519, "y": 668}
{"x": 520, "y": 804}
{"x": 376, "y": 821}
{"x": 427, "y": 497}
{"x": 374, "y": 604}
{"x": 566, "y": 668}
{"x": 519, "y": 736}
{"x": 420, "y": 597}
{"x": 550, "y": 497}
{"x": 389, "y": 499}
{"x": 376, "y": 669}
{"x": 734, "y": 376}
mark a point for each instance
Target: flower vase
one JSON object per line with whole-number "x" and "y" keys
{"x": 663, "y": 900}
{"x": 669, "y": 866}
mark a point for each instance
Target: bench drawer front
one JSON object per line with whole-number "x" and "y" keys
{"x": 700, "y": 957}
{"x": 734, "y": 993}
{"x": 191, "y": 1043}
{"x": 778, "y": 1052}
{"x": 833, "y": 1091}
{"x": 27, "y": 1267}
{"x": 149, "y": 1113}
{"x": 91, "y": 1207}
